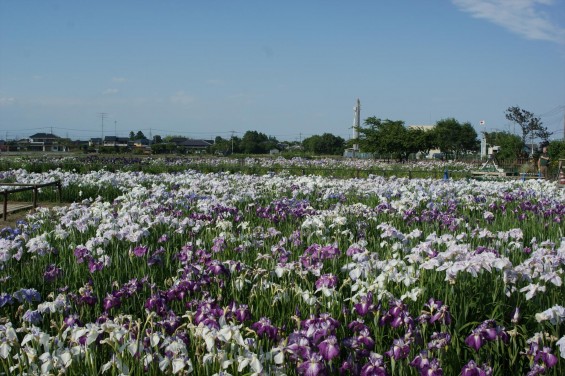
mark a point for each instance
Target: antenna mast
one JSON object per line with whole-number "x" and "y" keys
{"x": 103, "y": 116}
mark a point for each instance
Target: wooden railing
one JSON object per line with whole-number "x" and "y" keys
{"x": 20, "y": 187}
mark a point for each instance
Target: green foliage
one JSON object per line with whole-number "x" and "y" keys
{"x": 454, "y": 137}
{"x": 556, "y": 151}
{"x": 530, "y": 124}
{"x": 384, "y": 137}
{"x": 511, "y": 146}
{"x": 325, "y": 144}
{"x": 254, "y": 142}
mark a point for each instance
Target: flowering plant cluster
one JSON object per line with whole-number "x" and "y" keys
{"x": 228, "y": 274}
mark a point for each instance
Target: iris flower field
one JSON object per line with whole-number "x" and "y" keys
{"x": 273, "y": 274}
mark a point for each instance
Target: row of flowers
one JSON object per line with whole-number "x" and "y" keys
{"x": 231, "y": 274}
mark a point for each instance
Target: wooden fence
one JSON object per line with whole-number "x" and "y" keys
{"x": 20, "y": 187}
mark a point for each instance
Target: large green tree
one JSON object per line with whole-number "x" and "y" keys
{"x": 455, "y": 138}
{"x": 254, "y": 142}
{"x": 325, "y": 144}
{"x": 383, "y": 137}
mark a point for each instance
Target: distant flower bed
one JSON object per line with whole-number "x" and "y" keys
{"x": 169, "y": 164}
{"x": 229, "y": 274}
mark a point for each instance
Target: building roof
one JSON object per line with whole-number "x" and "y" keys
{"x": 195, "y": 143}
{"x": 44, "y": 135}
{"x": 116, "y": 139}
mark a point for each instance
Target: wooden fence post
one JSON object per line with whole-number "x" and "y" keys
{"x": 35, "y": 196}
{"x": 5, "y": 204}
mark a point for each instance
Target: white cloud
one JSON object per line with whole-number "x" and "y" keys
{"x": 110, "y": 91}
{"x": 523, "y": 17}
{"x": 180, "y": 97}
{"x": 119, "y": 80}
{"x": 7, "y": 101}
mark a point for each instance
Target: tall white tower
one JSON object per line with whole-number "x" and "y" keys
{"x": 356, "y": 124}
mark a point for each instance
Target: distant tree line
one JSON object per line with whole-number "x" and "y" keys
{"x": 384, "y": 138}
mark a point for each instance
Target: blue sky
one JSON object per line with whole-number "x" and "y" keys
{"x": 289, "y": 69}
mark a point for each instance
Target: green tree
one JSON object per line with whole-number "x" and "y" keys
{"x": 511, "y": 146}
{"x": 327, "y": 143}
{"x": 254, "y": 142}
{"x": 384, "y": 137}
{"x": 221, "y": 146}
{"x": 556, "y": 151}
{"x": 451, "y": 137}
{"x": 419, "y": 140}
{"x": 531, "y": 125}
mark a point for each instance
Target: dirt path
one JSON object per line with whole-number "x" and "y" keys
{"x": 19, "y": 215}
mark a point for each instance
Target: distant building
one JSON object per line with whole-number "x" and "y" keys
{"x": 46, "y": 142}
{"x": 96, "y": 141}
{"x": 116, "y": 141}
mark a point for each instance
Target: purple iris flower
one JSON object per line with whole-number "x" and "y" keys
{"x": 6, "y": 299}
{"x": 439, "y": 341}
{"x": 313, "y": 366}
{"x": 365, "y": 305}
{"x": 399, "y": 349}
{"x": 329, "y": 348}
{"x": 434, "y": 369}
{"x": 327, "y": 280}
{"x": 111, "y": 301}
{"x": 216, "y": 267}
{"x": 375, "y": 366}
{"x": 486, "y": 331}
{"x": 52, "y": 272}
{"x": 72, "y": 320}
{"x": 157, "y": 304}
{"x": 546, "y": 357}
{"x": 242, "y": 313}
{"x": 298, "y": 346}
{"x": 364, "y": 337}
{"x": 426, "y": 366}
{"x": 82, "y": 254}
{"x": 442, "y": 315}
{"x": 140, "y": 251}
{"x": 421, "y": 361}
{"x": 33, "y": 317}
{"x": 537, "y": 369}
{"x": 357, "y": 325}
{"x": 27, "y": 295}
{"x": 95, "y": 266}
{"x": 475, "y": 340}
{"x": 472, "y": 369}
{"x": 264, "y": 328}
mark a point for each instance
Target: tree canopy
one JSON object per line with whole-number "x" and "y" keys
{"x": 455, "y": 138}
{"x": 531, "y": 125}
{"x": 511, "y": 146}
{"x": 327, "y": 144}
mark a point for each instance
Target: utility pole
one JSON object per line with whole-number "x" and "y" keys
{"x": 563, "y": 125}
{"x": 103, "y": 116}
{"x": 232, "y": 132}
